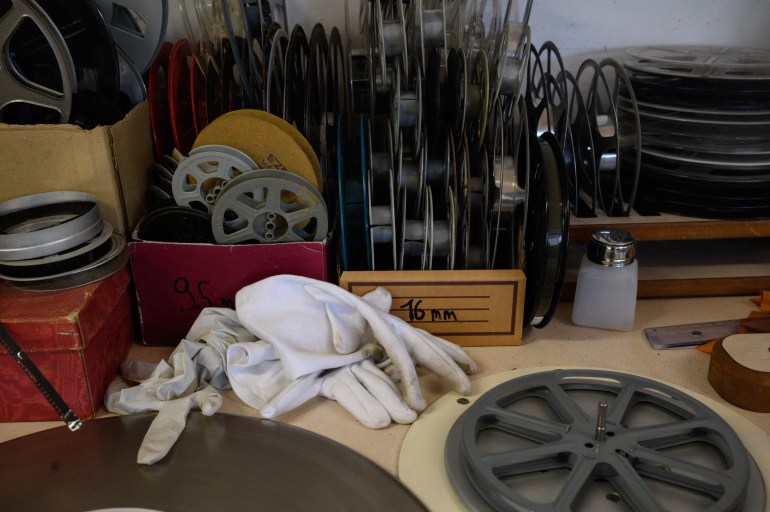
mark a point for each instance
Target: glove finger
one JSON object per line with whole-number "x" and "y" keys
{"x": 387, "y": 338}
{"x": 454, "y": 351}
{"x": 292, "y": 396}
{"x": 428, "y": 354}
{"x": 380, "y": 298}
{"x": 384, "y": 391}
{"x": 345, "y": 388}
{"x": 164, "y": 431}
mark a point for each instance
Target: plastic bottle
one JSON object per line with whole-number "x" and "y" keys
{"x": 605, "y": 296}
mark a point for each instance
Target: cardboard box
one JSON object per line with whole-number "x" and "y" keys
{"x": 77, "y": 338}
{"x": 110, "y": 162}
{"x": 175, "y": 281}
{"x": 468, "y": 307}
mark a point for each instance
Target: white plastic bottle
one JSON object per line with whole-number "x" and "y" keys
{"x": 605, "y": 296}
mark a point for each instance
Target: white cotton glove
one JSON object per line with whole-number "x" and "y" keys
{"x": 315, "y": 326}
{"x": 364, "y": 390}
{"x": 188, "y": 380}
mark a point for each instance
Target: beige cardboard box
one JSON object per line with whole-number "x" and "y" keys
{"x": 468, "y": 307}
{"x": 110, "y": 162}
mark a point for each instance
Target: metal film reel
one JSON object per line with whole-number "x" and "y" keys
{"x": 477, "y": 255}
{"x": 294, "y": 77}
{"x": 415, "y": 236}
{"x": 411, "y": 171}
{"x": 714, "y": 63}
{"x": 103, "y": 267}
{"x": 443, "y": 236}
{"x": 569, "y": 439}
{"x": 317, "y": 82}
{"x": 511, "y": 58}
{"x": 137, "y": 26}
{"x": 547, "y": 236}
{"x": 60, "y": 263}
{"x": 200, "y": 178}
{"x": 507, "y": 195}
{"x": 239, "y": 33}
{"x": 269, "y": 206}
{"x": 51, "y": 92}
{"x": 477, "y": 99}
{"x": 611, "y": 139}
{"x": 406, "y": 106}
{"x": 382, "y": 224}
{"x": 388, "y": 36}
{"x": 48, "y": 223}
{"x": 274, "y": 78}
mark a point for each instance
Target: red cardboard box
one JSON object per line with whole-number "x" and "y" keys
{"x": 175, "y": 281}
{"x": 77, "y": 338}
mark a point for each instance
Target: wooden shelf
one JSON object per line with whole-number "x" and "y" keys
{"x": 725, "y": 274}
{"x": 669, "y": 227}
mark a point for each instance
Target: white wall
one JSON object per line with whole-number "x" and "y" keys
{"x": 590, "y": 27}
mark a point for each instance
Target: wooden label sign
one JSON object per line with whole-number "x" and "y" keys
{"x": 468, "y": 307}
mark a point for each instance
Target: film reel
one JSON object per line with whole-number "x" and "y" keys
{"x": 278, "y": 146}
{"x": 100, "y": 263}
{"x": 62, "y": 262}
{"x": 611, "y": 138}
{"x": 158, "y": 99}
{"x": 382, "y": 224}
{"x": 659, "y": 448}
{"x": 406, "y": 105}
{"x": 294, "y": 77}
{"x": 411, "y": 172}
{"x": 269, "y": 206}
{"x": 547, "y": 235}
{"x": 180, "y": 102}
{"x": 415, "y": 237}
{"x": 176, "y": 224}
{"x": 48, "y": 223}
{"x": 200, "y": 178}
{"x": 53, "y": 92}
{"x": 138, "y": 27}
{"x": 275, "y": 72}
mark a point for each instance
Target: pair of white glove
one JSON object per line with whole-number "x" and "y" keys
{"x": 332, "y": 343}
{"x": 290, "y": 339}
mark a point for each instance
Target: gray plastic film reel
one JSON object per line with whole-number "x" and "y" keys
{"x": 269, "y": 206}
{"x": 200, "y": 178}
{"x": 649, "y": 438}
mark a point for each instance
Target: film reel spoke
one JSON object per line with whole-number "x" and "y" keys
{"x": 682, "y": 473}
{"x": 15, "y": 86}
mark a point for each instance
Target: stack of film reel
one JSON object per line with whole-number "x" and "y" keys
{"x": 235, "y": 188}
{"x": 57, "y": 240}
{"x": 76, "y": 61}
{"x": 427, "y": 152}
{"x": 705, "y": 119}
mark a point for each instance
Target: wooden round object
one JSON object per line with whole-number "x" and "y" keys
{"x": 740, "y": 370}
{"x": 269, "y": 140}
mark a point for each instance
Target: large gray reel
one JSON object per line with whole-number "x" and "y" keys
{"x": 14, "y": 86}
{"x": 269, "y": 206}
{"x": 137, "y": 26}
{"x": 200, "y": 178}
{"x": 588, "y": 439}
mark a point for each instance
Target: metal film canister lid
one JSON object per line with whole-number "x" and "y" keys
{"x": 611, "y": 247}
